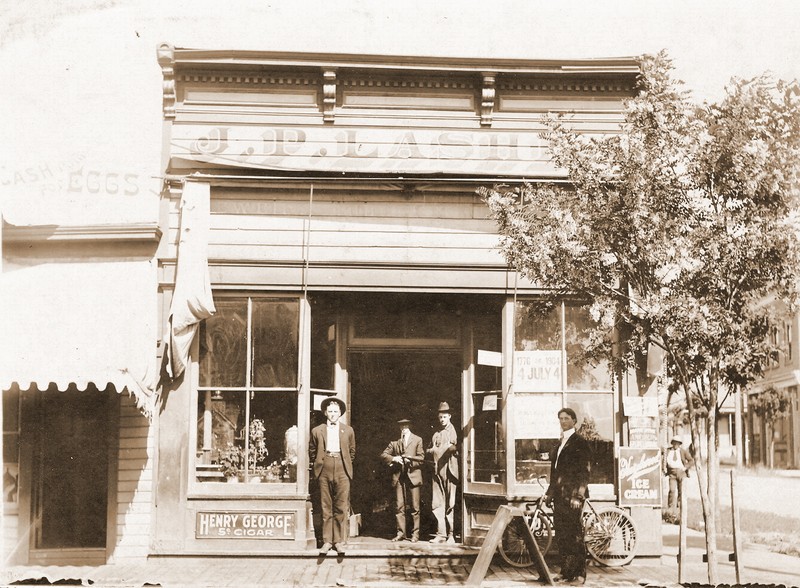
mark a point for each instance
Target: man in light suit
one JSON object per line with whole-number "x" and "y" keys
{"x": 677, "y": 461}
{"x": 405, "y": 457}
{"x": 444, "y": 449}
{"x": 570, "y": 465}
{"x": 332, "y": 449}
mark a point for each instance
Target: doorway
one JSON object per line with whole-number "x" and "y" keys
{"x": 70, "y": 478}
{"x": 387, "y": 385}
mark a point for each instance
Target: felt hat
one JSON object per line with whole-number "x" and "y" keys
{"x": 404, "y": 422}
{"x": 444, "y": 407}
{"x": 676, "y": 438}
{"x": 323, "y": 406}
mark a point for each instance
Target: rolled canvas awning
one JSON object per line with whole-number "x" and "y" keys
{"x": 79, "y": 308}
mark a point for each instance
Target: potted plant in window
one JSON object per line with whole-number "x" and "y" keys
{"x": 257, "y": 452}
{"x": 231, "y": 459}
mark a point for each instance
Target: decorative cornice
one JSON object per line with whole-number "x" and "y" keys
{"x": 166, "y": 59}
{"x": 566, "y": 86}
{"x": 232, "y": 60}
{"x": 328, "y": 94}
{"x": 248, "y": 78}
{"x": 487, "y": 99}
{"x": 369, "y": 82}
{"x": 117, "y": 232}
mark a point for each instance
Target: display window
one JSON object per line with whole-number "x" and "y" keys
{"x": 551, "y": 369}
{"x": 247, "y": 398}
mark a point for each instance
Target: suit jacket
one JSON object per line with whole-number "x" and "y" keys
{"x": 570, "y": 478}
{"x": 317, "y": 446}
{"x": 686, "y": 458}
{"x": 412, "y": 467}
{"x": 444, "y": 448}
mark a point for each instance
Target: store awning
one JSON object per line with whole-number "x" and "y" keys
{"x": 79, "y": 308}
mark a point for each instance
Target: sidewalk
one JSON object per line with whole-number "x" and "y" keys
{"x": 406, "y": 567}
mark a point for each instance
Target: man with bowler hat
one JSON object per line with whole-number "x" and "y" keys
{"x": 444, "y": 448}
{"x": 332, "y": 449}
{"x": 404, "y": 458}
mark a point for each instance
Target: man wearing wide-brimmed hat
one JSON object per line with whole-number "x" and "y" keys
{"x": 404, "y": 458}
{"x": 332, "y": 449}
{"x": 677, "y": 461}
{"x": 444, "y": 448}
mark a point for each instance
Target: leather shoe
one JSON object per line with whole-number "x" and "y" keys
{"x": 326, "y": 547}
{"x": 339, "y": 548}
{"x": 414, "y": 539}
{"x": 399, "y": 537}
{"x": 438, "y": 539}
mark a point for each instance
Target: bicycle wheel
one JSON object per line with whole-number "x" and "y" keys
{"x": 512, "y": 546}
{"x": 610, "y": 537}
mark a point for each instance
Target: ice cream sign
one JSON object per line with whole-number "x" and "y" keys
{"x": 639, "y": 477}
{"x": 245, "y": 525}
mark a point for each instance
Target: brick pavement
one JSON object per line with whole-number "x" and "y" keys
{"x": 390, "y": 568}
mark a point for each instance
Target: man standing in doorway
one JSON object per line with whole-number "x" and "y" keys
{"x": 444, "y": 448}
{"x": 677, "y": 461}
{"x": 405, "y": 457}
{"x": 571, "y": 462}
{"x": 332, "y": 449}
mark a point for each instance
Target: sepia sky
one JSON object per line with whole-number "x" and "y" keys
{"x": 85, "y": 88}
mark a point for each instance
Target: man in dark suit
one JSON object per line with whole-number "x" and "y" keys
{"x": 332, "y": 449}
{"x": 570, "y": 465}
{"x": 404, "y": 458}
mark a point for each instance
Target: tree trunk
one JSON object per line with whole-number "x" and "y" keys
{"x": 771, "y": 445}
{"x": 710, "y": 514}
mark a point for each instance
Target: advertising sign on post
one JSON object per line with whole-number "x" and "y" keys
{"x": 639, "y": 477}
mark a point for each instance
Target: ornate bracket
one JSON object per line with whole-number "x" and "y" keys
{"x": 487, "y": 98}
{"x": 328, "y": 94}
{"x": 166, "y": 59}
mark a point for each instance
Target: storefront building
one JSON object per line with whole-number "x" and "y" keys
{"x": 325, "y": 208}
{"x": 348, "y": 255}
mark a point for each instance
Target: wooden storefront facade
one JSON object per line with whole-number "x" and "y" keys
{"x": 349, "y": 255}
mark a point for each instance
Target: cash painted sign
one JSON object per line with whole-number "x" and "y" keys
{"x": 365, "y": 150}
{"x": 639, "y": 477}
{"x": 245, "y": 525}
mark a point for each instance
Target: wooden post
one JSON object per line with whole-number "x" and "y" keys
{"x": 682, "y": 529}
{"x": 493, "y": 537}
{"x": 737, "y": 537}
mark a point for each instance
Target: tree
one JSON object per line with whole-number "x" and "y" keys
{"x": 770, "y": 405}
{"x": 675, "y": 229}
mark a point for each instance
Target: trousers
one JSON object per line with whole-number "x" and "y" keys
{"x": 569, "y": 538}
{"x": 443, "y": 502}
{"x": 407, "y": 497}
{"x": 334, "y": 491}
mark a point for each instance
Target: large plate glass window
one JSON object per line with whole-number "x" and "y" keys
{"x": 247, "y": 395}
{"x": 551, "y": 370}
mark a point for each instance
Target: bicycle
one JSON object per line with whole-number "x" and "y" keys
{"x": 608, "y": 532}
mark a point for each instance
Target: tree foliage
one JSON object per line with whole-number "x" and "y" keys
{"x": 770, "y": 404}
{"x": 676, "y": 228}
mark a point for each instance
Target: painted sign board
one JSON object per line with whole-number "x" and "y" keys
{"x": 537, "y": 371}
{"x": 639, "y": 477}
{"x": 244, "y": 525}
{"x": 536, "y": 416}
{"x": 340, "y": 149}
